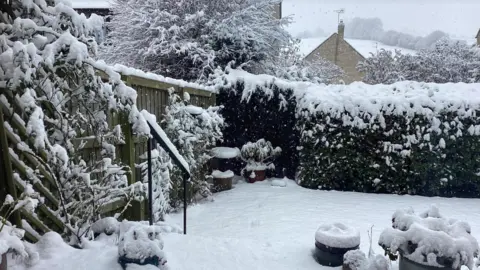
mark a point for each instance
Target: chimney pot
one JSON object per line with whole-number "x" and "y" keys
{"x": 341, "y": 30}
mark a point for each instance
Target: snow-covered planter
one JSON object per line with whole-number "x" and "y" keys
{"x": 259, "y": 157}
{"x": 332, "y": 241}
{"x": 429, "y": 241}
{"x": 223, "y": 158}
{"x": 142, "y": 245}
{"x": 222, "y": 180}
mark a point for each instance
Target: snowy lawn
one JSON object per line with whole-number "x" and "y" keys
{"x": 257, "y": 226}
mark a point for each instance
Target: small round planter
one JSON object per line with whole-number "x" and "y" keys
{"x": 407, "y": 264}
{"x": 4, "y": 263}
{"x": 260, "y": 175}
{"x": 222, "y": 180}
{"x": 332, "y": 241}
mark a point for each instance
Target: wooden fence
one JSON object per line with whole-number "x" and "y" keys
{"x": 152, "y": 96}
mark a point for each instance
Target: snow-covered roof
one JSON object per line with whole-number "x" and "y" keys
{"x": 94, "y": 4}
{"x": 478, "y": 33}
{"x": 364, "y": 47}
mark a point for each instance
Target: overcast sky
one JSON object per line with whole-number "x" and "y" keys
{"x": 459, "y": 18}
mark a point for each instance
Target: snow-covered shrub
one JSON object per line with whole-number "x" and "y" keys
{"x": 161, "y": 166}
{"x": 259, "y": 155}
{"x": 447, "y": 61}
{"x": 194, "y": 131}
{"x": 48, "y": 78}
{"x": 142, "y": 244}
{"x": 430, "y": 239}
{"x": 189, "y": 40}
{"x": 11, "y": 238}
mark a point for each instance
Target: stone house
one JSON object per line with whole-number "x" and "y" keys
{"x": 338, "y": 51}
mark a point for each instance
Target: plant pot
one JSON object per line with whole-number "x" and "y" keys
{"x": 407, "y": 264}
{"x": 330, "y": 256}
{"x": 3, "y": 264}
{"x": 259, "y": 176}
{"x": 222, "y": 180}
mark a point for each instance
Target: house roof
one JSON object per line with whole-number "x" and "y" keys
{"x": 363, "y": 47}
{"x": 478, "y": 34}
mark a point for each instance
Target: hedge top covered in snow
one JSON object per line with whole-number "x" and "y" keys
{"x": 363, "y": 100}
{"x": 430, "y": 239}
{"x": 337, "y": 235}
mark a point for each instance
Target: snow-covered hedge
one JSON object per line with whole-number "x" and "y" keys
{"x": 408, "y": 137}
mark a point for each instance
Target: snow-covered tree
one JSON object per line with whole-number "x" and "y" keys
{"x": 188, "y": 39}
{"x": 193, "y": 131}
{"x": 48, "y": 72}
{"x": 447, "y": 61}
{"x": 161, "y": 166}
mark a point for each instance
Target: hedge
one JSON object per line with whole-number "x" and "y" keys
{"x": 406, "y": 138}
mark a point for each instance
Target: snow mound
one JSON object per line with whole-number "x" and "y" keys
{"x": 338, "y": 235}
{"x": 194, "y": 110}
{"x": 141, "y": 242}
{"x": 225, "y": 152}
{"x": 430, "y": 239}
{"x": 10, "y": 239}
{"x": 108, "y": 225}
{"x": 279, "y": 183}
{"x": 357, "y": 260}
{"x": 221, "y": 175}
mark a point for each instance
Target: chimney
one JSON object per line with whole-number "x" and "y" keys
{"x": 341, "y": 30}
{"x": 478, "y": 38}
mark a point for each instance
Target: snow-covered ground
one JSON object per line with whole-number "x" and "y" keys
{"x": 257, "y": 226}
{"x": 364, "y": 47}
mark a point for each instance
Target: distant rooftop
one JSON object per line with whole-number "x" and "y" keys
{"x": 91, "y": 4}
{"x": 364, "y": 47}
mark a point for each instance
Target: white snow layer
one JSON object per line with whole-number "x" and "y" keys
{"x": 225, "y": 152}
{"x": 195, "y": 110}
{"x": 124, "y": 70}
{"x": 221, "y": 175}
{"x": 152, "y": 120}
{"x": 358, "y": 100}
{"x": 337, "y": 235}
{"x": 85, "y": 4}
{"x": 435, "y": 237}
{"x": 260, "y": 227}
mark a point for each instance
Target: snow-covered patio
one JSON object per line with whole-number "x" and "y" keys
{"x": 257, "y": 226}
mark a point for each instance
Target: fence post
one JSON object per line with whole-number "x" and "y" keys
{"x": 8, "y": 186}
{"x": 136, "y": 212}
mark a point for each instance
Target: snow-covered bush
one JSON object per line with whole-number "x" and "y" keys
{"x": 259, "y": 155}
{"x": 161, "y": 166}
{"x": 11, "y": 238}
{"x": 48, "y": 77}
{"x": 430, "y": 239}
{"x": 194, "y": 131}
{"x": 142, "y": 244}
{"x": 188, "y": 40}
{"x": 447, "y": 61}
